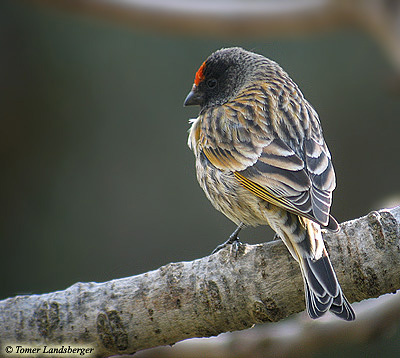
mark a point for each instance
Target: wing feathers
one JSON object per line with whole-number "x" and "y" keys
{"x": 293, "y": 172}
{"x": 319, "y": 165}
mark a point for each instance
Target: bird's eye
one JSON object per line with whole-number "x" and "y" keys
{"x": 211, "y": 83}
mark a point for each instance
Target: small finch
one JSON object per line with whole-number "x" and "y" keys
{"x": 261, "y": 159}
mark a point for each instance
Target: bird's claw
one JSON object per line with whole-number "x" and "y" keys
{"x": 234, "y": 242}
{"x": 276, "y": 237}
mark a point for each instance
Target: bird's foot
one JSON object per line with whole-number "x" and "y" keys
{"x": 233, "y": 240}
{"x": 276, "y": 237}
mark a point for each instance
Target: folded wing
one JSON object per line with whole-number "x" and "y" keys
{"x": 299, "y": 178}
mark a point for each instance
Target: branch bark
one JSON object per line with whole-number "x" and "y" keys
{"x": 293, "y": 338}
{"x": 205, "y": 297}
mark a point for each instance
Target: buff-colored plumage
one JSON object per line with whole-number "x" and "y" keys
{"x": 261, "y": 159}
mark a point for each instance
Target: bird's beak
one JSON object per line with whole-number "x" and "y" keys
{"x": 194, "y": 97}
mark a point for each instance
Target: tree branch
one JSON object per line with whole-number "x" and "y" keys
{"x": 205, "y": 297}
{"x": 292, "y": 338}
{"x": 211, "y": 18}
{"x": 250, "y": 18}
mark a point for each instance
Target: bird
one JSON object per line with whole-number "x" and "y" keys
{"x": 261, "y": 159}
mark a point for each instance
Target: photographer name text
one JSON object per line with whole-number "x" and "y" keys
{"x": 63, "y": 350}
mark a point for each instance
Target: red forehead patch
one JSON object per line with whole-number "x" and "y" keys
{"x": 199, "y": 74}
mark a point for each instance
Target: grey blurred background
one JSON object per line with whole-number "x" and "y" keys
{"x": 97, "y": 181}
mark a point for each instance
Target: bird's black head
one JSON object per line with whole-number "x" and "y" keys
{"x": 221, "y": 77}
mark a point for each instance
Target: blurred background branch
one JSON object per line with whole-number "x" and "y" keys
{"x": 256, "y": 19}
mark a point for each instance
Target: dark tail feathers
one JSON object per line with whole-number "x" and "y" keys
{"x": 323, "y": 291}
